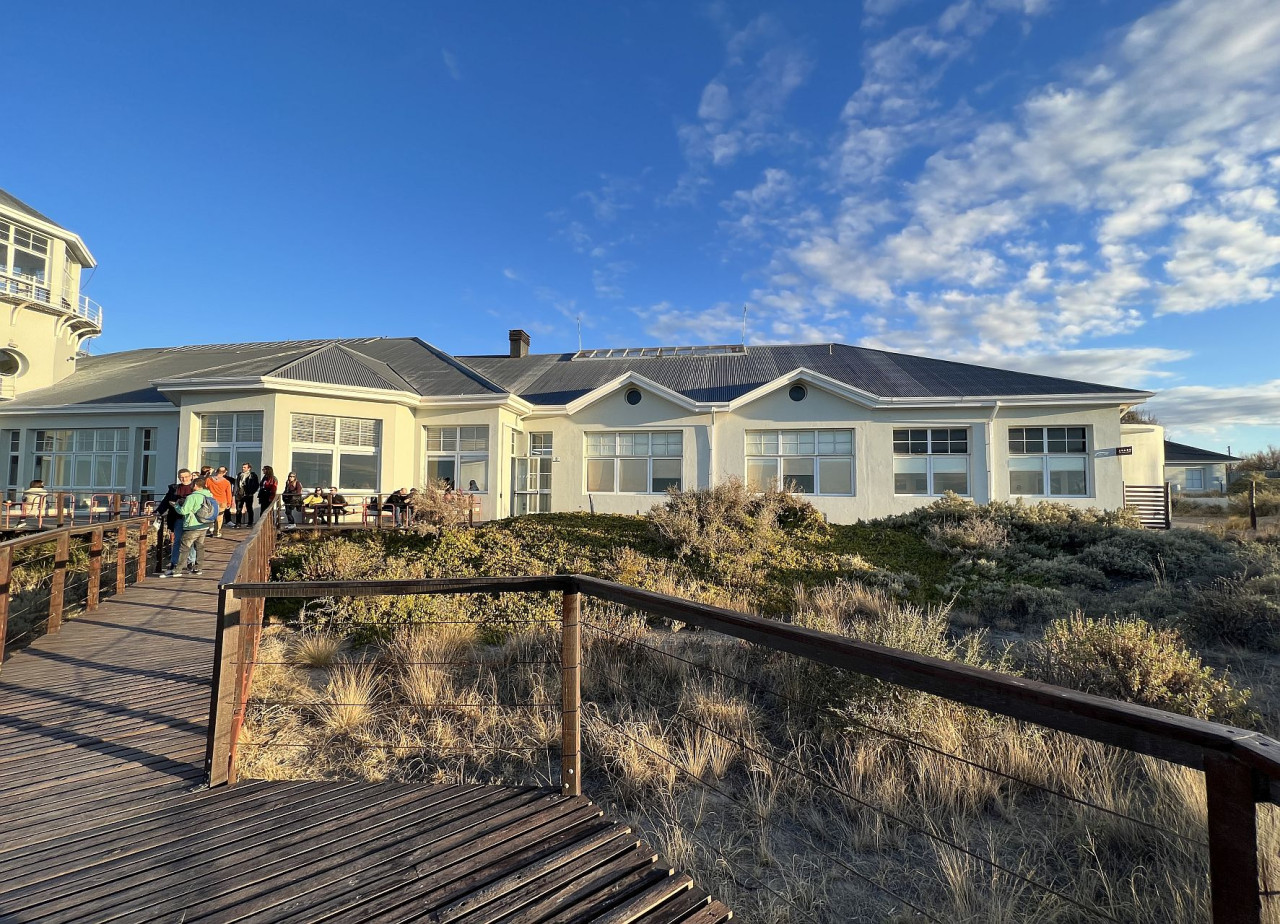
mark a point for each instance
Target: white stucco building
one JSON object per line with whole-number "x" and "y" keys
{"x": 864, "y": 432}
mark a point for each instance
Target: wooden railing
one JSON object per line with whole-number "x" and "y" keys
{"x": 236, "y": 644}
{"x": 104, "y": 539}
{"x": 367, "y": 511}
{"x": 60, "y": 508}
{"x": 1241, "y": 768}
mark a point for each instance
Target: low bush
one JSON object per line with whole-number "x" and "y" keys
{"x": 438, "y": 507}
{"x": 1132, "y": 660}
{"x": 731, "y": 530}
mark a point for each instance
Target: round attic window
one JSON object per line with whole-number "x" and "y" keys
{"x": 11, "y": 362}
{"x": 797, "y": 393}
{"x": 633, "y": 396}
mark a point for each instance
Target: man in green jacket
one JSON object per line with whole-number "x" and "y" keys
{"x": 194, "y": 529}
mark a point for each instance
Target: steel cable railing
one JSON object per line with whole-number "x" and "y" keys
{"x": 1239, "y": 766}
{"x": 673, "y": 709}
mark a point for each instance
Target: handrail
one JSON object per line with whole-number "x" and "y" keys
{"x": 236, "y": 645}
{"x": 1176, "y": 738}
{"x": 1241, "y": 767}
{"x": 32, "y": 289}
{"x": 61, "y": 539}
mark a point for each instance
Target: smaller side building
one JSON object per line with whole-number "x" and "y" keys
{"x": 1191, "y": 469}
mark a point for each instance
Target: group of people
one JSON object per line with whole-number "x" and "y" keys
{"x": 197, "y": 506}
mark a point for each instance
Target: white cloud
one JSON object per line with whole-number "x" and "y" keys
{"x": 1146, "y": 183}
{"x": 1208, "y": 408}
{"x": 451, "y": 63}
{"x": 741, "y": 109}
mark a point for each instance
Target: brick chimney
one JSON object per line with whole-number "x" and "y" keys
{"x": 519, "y": 343}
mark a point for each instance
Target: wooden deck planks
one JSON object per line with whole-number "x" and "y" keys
{"x": 102, "y": 737}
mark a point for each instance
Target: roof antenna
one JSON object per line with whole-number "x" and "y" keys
{"x": 744, "y": 324}
{"x": 579, "y": 333}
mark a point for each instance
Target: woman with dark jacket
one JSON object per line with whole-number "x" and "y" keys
{"x": 292, "y": 495}
{"x": 267, "y": 487}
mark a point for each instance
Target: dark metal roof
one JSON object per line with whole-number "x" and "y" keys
{"x": 558, "y": 378}
{"x": 335, "y": 364}
{"x": 10, "y": 201}
{"x": 1182, "y": 454}
{"x": 403, "y": 363}
{"x": 416, "y": 367}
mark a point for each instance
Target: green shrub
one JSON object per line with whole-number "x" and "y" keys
{"x": 1237, "y": 611}
{"x": 1020, "y": 604}
{"x": 730, "y": 530}
{"x": 1131, "y": 660}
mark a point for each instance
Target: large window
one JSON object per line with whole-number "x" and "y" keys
{"x": 1048, "y": 462}
{"x": 931, "y": 461}
{"x": 83, "y": 460}
{"x": 23, "y": 252}
{"x": 1195, "y": 479}
{"x": 801, "y": 461}
{"x": 231, "y": 439}
{"x": 341, "y": 452}
{"x": 459, "y": 456}
{"x": 634, "y": 462}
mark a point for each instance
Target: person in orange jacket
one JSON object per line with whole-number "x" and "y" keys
{"x": 219, "y": 486}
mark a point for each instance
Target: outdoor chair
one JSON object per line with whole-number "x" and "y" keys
{"x": 372, "y": 511}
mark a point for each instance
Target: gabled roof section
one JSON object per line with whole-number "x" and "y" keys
{"x": 1182, "y": 454}
{"x": 557, "y": 379}
{"x": 13, "y": 203}
{"x": 42, "y": 222}
{"x": 404, "y": 364}
{"x": 629, "y": 378}
{"x": 335, "y": 364}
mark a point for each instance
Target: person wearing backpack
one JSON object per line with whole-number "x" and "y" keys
{"x": 198, "y": 512}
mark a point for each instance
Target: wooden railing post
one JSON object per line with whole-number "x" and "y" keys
{"x": 58, "y": 583}
{"x": 122, "y": 558}
{"x": 95, "y": 570}
{"x": 161, "y": 563}
{"x": 1233, "y": 840}
{"x": 144, "y": 534}
{"x": 226, "y": 674}
{"x": 571, "y": 696}
{"x": 6, "y": 571}
{"x": 58, "y": 499}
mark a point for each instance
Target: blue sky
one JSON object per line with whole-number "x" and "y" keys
{"x": 1083, "y": 188}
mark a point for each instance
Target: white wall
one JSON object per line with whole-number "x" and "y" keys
{"x": 1146, "y": 465}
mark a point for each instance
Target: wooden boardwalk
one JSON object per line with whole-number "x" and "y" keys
{"x": 103, "y": 815}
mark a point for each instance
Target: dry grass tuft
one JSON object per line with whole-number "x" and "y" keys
{"x": 315, "y": 649}
{"x": 349, "y": 699}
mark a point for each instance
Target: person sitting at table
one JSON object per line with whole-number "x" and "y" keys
{"x": 395, "y": 505}
{"x": 335, "y": 505}
{"x": 313, "y": 506}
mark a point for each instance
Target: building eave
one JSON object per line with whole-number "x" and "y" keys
{"x": 135, "y": 408}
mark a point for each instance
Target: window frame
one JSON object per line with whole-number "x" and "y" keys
{"x": 616, "y": 457}
{"x": 931, "y": 450}
{"x": 238, "y": 447}
{"x": 1073, "y": 448}
{"x": 761, "y": 457}
{"x": 457, "y": 455}
{"x": 69, "y": 449}
{"x": 328, "y": 436}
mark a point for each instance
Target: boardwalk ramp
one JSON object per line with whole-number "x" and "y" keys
{"x": 106, "y": 817}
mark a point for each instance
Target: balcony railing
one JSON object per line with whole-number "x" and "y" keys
{"x": 32, "y": 289}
